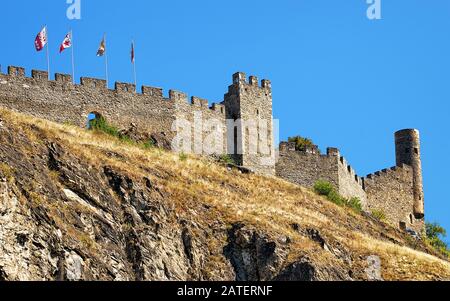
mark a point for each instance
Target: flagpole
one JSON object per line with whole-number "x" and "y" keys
{"x": 134, "y": 67}
{"x": 106, "y": 63}
{"x": 73, "y": 60}
{"x": 48, "y": 55}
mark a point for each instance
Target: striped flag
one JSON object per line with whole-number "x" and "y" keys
{"x": 41, "y": 39}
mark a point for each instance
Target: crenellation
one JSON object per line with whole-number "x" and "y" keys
{"x": 152, "y": 91}
{"x": 266, "y": 84}
{"x": 333, "y": 152}
{"x": 178, "y": 97}
{"x": 124, "y": 87}
{"x": 14, "y": 71}
{"x": 199, "y": 102}
{"x": 287, "y": 146}
{"x": 253, "y": 80}
{"x": 239, "y": 77}
{"x": 39, "y": 75}
{"x": 219, "y": 108}
{"x": 63, "y": 78}
{"x": 93, "y": 83}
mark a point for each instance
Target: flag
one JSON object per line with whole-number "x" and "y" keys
{"x": 67, "y": 43}
{"x": 41, "y": 39}
{"x": 132, "y": 52}
{"x": 102, "y": 49}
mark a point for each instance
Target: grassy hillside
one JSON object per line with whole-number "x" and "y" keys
{"x": 203, "y": 194}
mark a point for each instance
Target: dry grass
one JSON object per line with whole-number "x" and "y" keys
{"x": 266, "y": 202}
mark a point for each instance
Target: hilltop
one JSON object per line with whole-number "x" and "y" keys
{"x": 80, "y": 205}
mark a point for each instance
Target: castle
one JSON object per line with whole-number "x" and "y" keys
{"x": 398, "y": 191}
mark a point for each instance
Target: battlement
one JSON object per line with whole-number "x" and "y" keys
{"x": 18, "y": 75}
{"x": 240, "y": 78}
{"x": 403, "y": 168}
{"x": 351, "y": 172}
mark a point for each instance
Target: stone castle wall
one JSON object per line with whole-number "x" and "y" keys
{"x": 61, "y": 101}
{"x": 307, "y": 167}
{"x": 350, "y": 184}
{"x": 395, "y": 191}
{"x": 392, "y": 192}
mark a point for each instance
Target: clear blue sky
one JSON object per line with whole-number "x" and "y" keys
{"x": 338, "y": 77}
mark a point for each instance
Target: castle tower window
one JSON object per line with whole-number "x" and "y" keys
{"x": 416, "y": 151}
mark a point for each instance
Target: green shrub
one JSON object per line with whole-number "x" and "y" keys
{"x": 435, "y": 235}
{"x": 336, "y": 198}
{"x": 301, "y": 143}
{"x": 183, "y": 157}
{"x": 226, "y": 159}
{"x": 355, "y": 204}
{"x": 323, "y": 188}
{"x": 100, "y": 124}
{"x": 149, "y": 144}
{"x": 379, "y": 215}
{"x": 327, "y": 189}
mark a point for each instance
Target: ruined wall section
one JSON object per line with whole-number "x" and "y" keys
{"x": 392, "y": 192}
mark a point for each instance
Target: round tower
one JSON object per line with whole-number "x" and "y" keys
{"x": 407, "y": 148}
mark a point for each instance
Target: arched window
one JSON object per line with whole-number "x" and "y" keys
{"x": 93, "y": 119}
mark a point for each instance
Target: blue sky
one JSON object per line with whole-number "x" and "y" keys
{"x": 338, "y": 78}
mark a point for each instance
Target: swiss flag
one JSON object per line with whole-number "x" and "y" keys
{"x": 67, "y": 43}
{"x": 41, "y": 39}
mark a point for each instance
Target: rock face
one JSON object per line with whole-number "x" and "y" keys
{"x": 76, "y": 211}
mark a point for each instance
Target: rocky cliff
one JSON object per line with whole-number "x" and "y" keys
{"x": 78, "y": 205}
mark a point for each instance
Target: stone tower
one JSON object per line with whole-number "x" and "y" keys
{"x": 407, "y": 144}
{"x": 250, "y": 123}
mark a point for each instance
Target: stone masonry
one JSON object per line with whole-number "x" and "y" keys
{"x": 228, "y": 128}
{"x": 397, "y": 192}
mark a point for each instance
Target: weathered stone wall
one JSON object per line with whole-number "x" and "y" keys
{"x": 407, "y": 149}
{"x": 251, "y": 105}
{"x": 61, "y": 101}
{"x": 307, "y": 167}
{"x": 350, "y": 184}
{"x": 208, "y": 125}
{"x": 392, "y": 192}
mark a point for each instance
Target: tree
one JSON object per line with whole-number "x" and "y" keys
{"x": 301, "y": 143}
{"x": 435, "y": 235}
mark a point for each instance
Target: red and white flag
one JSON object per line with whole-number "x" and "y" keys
{"x": 41, "y": 39}
{"x": 67, "y": 43}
